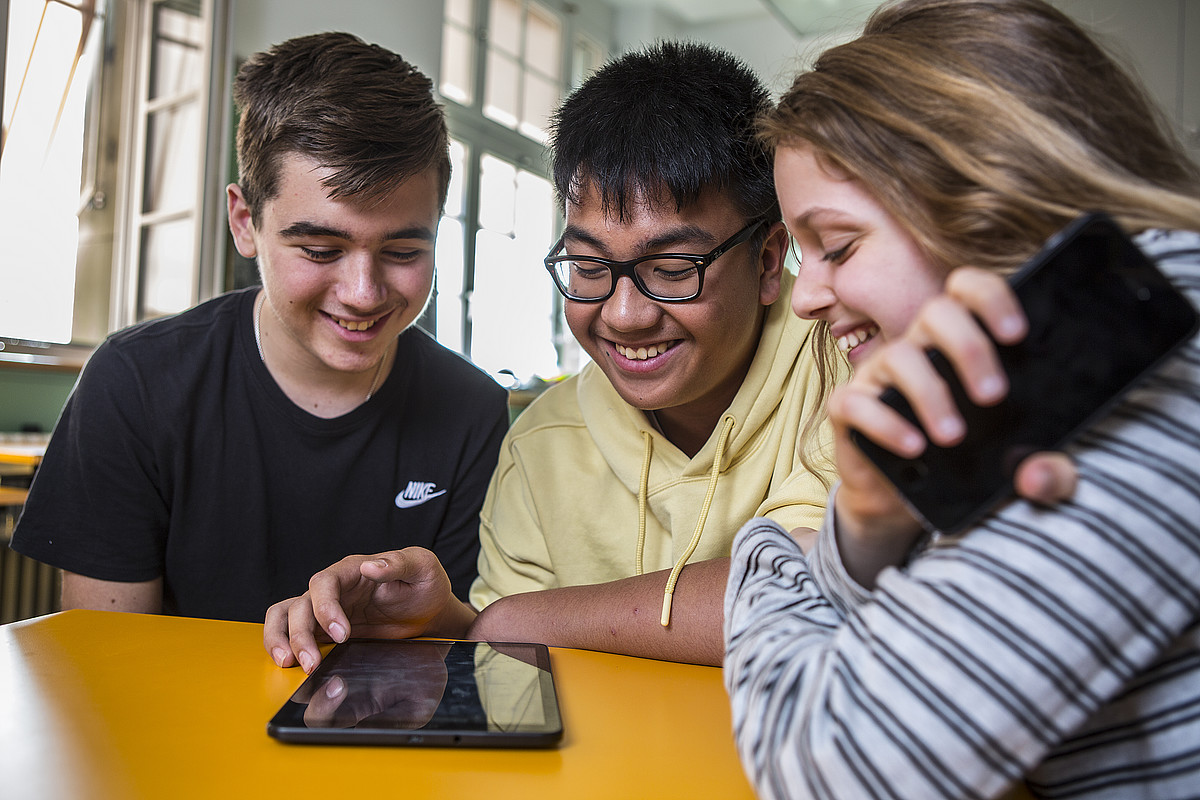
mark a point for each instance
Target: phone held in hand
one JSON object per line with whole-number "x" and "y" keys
{"x": 426, "y": 692}
{"x": 1101, "y": 316}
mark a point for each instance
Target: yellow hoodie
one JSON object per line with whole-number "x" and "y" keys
{"x": 563, "y": 505}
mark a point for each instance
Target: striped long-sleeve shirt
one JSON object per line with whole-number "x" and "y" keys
{"x": 1056, "y": 646}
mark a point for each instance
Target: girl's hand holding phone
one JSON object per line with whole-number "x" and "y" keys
{"x": 875, "y": 527}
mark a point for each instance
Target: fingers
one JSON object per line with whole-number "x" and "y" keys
{"x": 989, "y": 297}
{"x": 1046, "y": 478}
{"x": 275, "y": 633}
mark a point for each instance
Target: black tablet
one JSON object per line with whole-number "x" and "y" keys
{"x": 425, "y": 692}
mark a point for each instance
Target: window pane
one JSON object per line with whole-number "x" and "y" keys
{"x": 458, "y": 174}
{"x": 168, "y": 252}
{"x": 543, "y": 42}
{"x": 497, "y": 188}
{"x": 512, "y": 306}
{"x": 461, "y": 12}
{"x": 176, "y": 65}
{"x": 449, "y": 278}
{"x": 539, "y": 102}
{"x": 457, "y": 79}
{"x": 500, "y": 96}
{"x": 586, "y": 56}
{"x": 504, "y": 26}
{"x": 172, "y": 173}
{"x": 40, "y": 171}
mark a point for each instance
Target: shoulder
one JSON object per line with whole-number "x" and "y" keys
{"x": 446, "y": 372}
{"x": 210, "y": 321}
{"x": 183, "y": 341}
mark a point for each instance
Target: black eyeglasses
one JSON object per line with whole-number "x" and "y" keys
{"x": 666, "y": 277}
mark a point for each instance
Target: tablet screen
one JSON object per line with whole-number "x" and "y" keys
{"x": 425, "y": 692}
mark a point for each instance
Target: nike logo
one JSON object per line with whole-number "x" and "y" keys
{"x": 417, "y": 493}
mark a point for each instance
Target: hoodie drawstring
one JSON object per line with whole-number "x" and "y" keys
{"x": 673, "y": 578}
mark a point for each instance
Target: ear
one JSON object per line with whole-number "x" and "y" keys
{"x": 771, "y": 261}
{"x": 241, "y": 224}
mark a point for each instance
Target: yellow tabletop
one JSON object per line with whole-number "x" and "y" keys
{"x": 106, "y": 705}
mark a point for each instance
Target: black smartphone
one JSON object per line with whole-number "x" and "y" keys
{"x": 425, "y": 692}
{"x": 1101, "y": 315}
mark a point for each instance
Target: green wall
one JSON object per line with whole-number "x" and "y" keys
{"x": 32, "y": 397}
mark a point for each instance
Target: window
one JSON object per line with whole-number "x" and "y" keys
{"x": 107, "y": 153}
{"x": 505, "y": 65}
{"x": 49, "y": 71}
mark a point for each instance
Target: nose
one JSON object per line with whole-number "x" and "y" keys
{"x": 360, "y": 284}
{"x": 628, "y": 309}
{"x": 812, "y": 294}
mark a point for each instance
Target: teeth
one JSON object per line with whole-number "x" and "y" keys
{"x": 849, "y": 341}
{"x": 355, "y": 326}
{"x": 643, "y": 353}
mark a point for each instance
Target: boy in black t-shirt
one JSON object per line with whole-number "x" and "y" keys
{"x": 207, "y": 464}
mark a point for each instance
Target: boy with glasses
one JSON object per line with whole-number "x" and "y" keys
{"x": 691, "y": 419}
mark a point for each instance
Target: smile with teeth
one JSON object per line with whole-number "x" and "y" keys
{"x": 351, "y": 325}
{"x": 848, "y": 341}
{"x": 643, "y": 353}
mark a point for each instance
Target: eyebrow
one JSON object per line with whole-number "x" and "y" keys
{"x": 304, "y": 229}
{"x": 677, "y": 235}
{"x": 831, "y": 216}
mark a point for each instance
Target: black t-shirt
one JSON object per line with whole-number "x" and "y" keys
{"x": 178, "y": 456}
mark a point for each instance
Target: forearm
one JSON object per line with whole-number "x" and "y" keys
{"x": 80, "y": 591}
{"x": 620, "y": 616}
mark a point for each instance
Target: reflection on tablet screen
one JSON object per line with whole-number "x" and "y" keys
{"x": 426, "y": 692}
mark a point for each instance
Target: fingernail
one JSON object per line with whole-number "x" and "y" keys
{"x": 991, "y": 387}
{"x": 337, "y": 632}
{"x": 950, "y": 427}
{"x": 305, "y": 662}
{"x": 1010, "y": 326}
{"x": 334, "y": 688}
{"x": 280, "y": 655}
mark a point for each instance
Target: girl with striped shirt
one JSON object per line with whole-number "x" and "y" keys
{"x": 1052, "y": 649}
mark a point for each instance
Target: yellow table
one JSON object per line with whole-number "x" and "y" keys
{"x": 107, "y": 705}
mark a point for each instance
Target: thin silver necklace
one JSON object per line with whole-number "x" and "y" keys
{"x": 258, "y": 304}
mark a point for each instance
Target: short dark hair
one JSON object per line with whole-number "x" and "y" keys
{"x": 676, "y": 116}
{"x": 356, "y": 107}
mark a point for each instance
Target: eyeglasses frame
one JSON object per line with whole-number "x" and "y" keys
{"x": 619, "y": 269}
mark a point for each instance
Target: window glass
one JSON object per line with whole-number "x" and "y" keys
{"x": 461, "y": 12}
{"x": 543, "y": 42}
{"x": 449, "y": 284}
{"x": 502, "y": 84}
{"x": 539, "y": 101}
{"x": 450, "y": 256}
{"x": 172, "y": 179}
{"x": 167, "y": 257}
{"x": 457, "y": 78}
{"x": 504, "y": 26}
{"x": 45, "y": 98}
{"x": 513, "y": 309}
{"x": 178, "y": 56}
